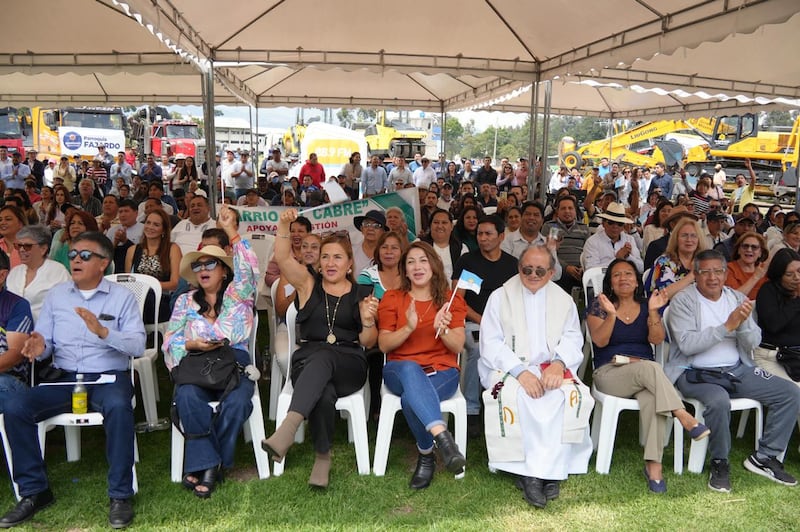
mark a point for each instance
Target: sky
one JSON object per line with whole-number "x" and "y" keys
{"x": 284, "y": 117}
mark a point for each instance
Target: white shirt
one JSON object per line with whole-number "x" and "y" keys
{"x": 599, "y": 250}
{"x": 133, "y": 233}
{"x": 47, "y": 276}
{"x": 725, "y": 352}
{"x": 423, "y": 177}
{"x": 226, "y": 168}
{"x": 188, "y": 236}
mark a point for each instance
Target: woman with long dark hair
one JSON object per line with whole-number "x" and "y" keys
{"x": 623, "y": 325}
{"x": 219, "y": 309}
{"x": 422, "y": 334}
{"x": 155, "y": 255}
{"x": 466, "y": 229}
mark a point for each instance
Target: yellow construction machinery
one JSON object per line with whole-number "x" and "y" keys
{"x": 394, "y": 138}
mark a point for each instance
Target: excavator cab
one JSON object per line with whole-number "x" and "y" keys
{"x": 731, "y": 129}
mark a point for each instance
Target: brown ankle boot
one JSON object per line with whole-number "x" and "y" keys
{"x": 277, "y": 444}
{"x": 320, "y": 471}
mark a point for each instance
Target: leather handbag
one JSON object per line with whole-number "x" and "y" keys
{"x": 789, "y": 358}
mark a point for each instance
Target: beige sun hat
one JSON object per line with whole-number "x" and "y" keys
{"x": 208, "y": 251}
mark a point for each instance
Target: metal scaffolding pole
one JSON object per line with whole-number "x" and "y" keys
{"x": 534, "y": 135}
{"x": 211, "y": 143}
{"x": 548, "y": 93}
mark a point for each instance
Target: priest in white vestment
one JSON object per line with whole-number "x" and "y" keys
{"x": 531, "y": 321}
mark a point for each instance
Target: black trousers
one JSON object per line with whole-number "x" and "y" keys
{"x": 321, "y": 373}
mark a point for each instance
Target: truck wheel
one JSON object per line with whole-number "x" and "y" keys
{"x": 573, "y": 159}
{"x": 693, "y": 169}
{"x": 393, "y": 149}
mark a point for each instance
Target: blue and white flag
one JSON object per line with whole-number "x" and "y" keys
{"x": 469, "y": 281}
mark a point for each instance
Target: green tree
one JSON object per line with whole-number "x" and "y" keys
{"x": 217, "y": 112}
{"x": 175, "y": 115}
{"x": 345, "y": 117}
{"x": 366, "y": 115}
{"x": 454, "y": 132}
{"x": 778, "y": 118}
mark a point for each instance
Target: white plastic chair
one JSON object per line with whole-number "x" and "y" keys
{"x": 145, "y": 365}
{"x": 253, "y": 427}
{"x": 354, "y": 404}
{"x": 697, "y": 449}
{"x": 592, "y": 278}
{"x": 262, "y": 245}
{"x": 390, "y": 405}
{"x": 276, "y": 377}
{"x": 72, "y": 424}
{"x": 9, "y": 461}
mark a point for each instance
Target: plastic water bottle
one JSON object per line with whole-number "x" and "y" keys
{"x": 80, "y": 397}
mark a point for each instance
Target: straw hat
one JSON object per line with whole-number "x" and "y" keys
{"x": 615, "y": 212}
{"x": 208, "y": 251}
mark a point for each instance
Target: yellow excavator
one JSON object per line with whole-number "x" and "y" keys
{"x": 642, "y": 145}
{"x": 394, "y": 138}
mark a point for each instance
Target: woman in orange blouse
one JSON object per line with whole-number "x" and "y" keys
{"x": 421, "y": 334}
{"x": 748, "y": 267}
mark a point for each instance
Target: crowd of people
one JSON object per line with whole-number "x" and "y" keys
{"x": 481, "y": 295}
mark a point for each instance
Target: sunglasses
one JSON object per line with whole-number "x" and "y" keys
{"x": 752, "y": 247}
{"x": 529, "y": 270}
{"x": 370, "y": 225}
{"x": 24, "y": 247}
{"x": 84, "y": 254}
{"x": 197, "y": 267}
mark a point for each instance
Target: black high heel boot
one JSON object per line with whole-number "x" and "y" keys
{"x": 209, "y": 480}
{"x": 423, "y": 474}
{"x": 453, "y": 460}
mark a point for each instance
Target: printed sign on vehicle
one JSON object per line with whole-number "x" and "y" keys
{"x": 85, "y": 140}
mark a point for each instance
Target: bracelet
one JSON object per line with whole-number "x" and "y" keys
{"x": 370, "y": 326}
{"x": 235, "y": 239}
{"x": 654, "y": 322}
{"x": 283, "y": 236}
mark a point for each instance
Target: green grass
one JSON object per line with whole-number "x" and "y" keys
{"x": 480, "y": 501}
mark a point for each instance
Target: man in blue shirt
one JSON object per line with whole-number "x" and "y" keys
{"x": 662, "y": 180}
{"x": 16, "y": 323}
{"x": 88, "y": 326}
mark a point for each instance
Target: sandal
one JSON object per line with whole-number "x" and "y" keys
{"x": 191, "y": 480}
{"x": 209, "y": 481}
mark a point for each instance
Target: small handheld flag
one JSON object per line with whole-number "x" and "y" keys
{"x": 469, "y": 281}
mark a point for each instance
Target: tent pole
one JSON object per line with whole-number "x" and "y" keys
{"x": 548, "y": 93}
{"x": 256, "y": 151}
{"x": 534, "y": 136}
{"x": 444, "y": 131}
{"x": 211, "y": 144}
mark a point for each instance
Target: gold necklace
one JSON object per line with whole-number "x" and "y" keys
{"x": 331, "y": 338}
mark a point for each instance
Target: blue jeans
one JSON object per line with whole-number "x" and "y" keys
{"x": 10, "y": 388}
{"x": 780, "y": 396}
{"x": 239, "y": 192}
{"x": 113, "y": 400}
{"x": 196, "y": 417}
{"x": 472, "y": 383}
{"x": 420, "y": 395}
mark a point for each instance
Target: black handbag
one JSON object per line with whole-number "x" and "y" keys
{"x": 214, "y": 370}
{"x": 789, "y": 358}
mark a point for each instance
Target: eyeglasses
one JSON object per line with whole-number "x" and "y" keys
{"x": 371, "y": 225}
{"x": 752, "y": 247}
{"x": 197, "y": 267}
{"x": 530, "y": 270}
{"x": 84, "y": 254}
{"x": 688, "y": 236}
{"x": 794, "y": 274}
{"x": 24, "y": 247}
{"x": 716, "y": 272}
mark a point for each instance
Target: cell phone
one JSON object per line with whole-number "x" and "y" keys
{"x": 429, "y": 370}
{"x": 503, "y": 195}
{"x": 476, "y": 335}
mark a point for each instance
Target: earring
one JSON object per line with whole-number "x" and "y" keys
{"x": 349, "y": 271}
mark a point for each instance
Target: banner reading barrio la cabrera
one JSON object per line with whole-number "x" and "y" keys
{"x": 334, "y": 217}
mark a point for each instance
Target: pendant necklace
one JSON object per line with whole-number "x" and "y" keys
{"x": 331, "y": 338}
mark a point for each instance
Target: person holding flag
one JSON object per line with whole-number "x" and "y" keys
{"x": 494, "y": 267}
{"x": 422, "y": 332}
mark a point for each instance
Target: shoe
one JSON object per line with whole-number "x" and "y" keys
{"x": 190, "y": 484}
{"x": 453, "y": 460}
{"x": 552, "y": 488}
{"x": 209, "y": 480}
{"x": 719, "y": 480}
{"x": 533, "y": 491}
{"x": 320, "y": 472}
{"x": 656, "y": 486}
{"x": 699, "y": 432}
{"x": 423, "y": 474}
{"x": 120, "y": 514}
{"x": 772, "y": 468}
{"x": 278, "y": 444}
{"x": 27, "y": 508}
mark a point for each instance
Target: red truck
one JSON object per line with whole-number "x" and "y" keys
{"x": 13, "y": 129}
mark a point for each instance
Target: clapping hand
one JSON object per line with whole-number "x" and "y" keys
{"x": 33, "y": 347}
{"x": 658, "y": 299}
{"x": 411, "y": 316}
{"x": 606, "y": 305}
